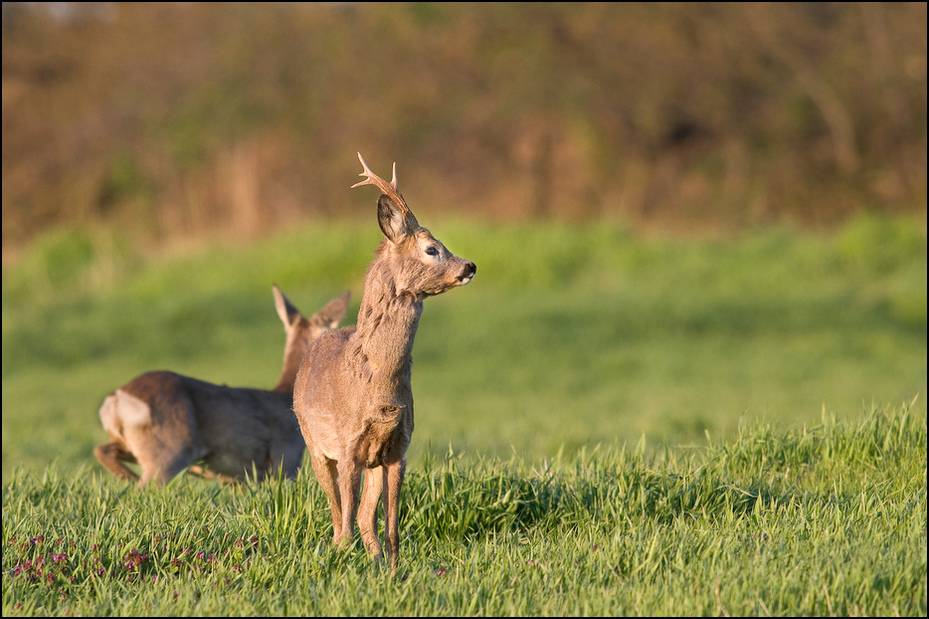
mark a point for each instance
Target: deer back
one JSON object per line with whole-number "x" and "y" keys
{"x": 167, "y": 421}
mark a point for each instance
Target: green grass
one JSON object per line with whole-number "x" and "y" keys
{"x": 569, "y": 336}
{"x": 636, "y": 425}
{"x": 825, "y": 520}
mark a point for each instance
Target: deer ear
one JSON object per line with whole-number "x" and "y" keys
{"x": 395, "y": 222}
{"x": 285, "y": 309}
{"x": 333, "y": 312}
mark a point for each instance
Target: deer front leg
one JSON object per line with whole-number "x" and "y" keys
{"x": 328, "y": 475}
{"x": 367, "y": 510}
{"x": 349, "y": 486}
{"x": 331, "y": 485}
{"x": 394, "y": 474}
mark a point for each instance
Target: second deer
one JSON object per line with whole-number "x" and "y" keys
{"x": 167, "y": 422}
{"x": 352, "y": 396}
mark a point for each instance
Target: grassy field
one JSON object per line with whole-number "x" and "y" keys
{"x": 829, "y": 520}
{"x": 606, "y": 424}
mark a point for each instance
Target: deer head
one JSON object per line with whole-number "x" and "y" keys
{"x": 419, "y": 263}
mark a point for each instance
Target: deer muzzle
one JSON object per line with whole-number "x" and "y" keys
{"x": 467, "y": 273}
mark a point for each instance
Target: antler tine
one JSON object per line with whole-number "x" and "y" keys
{"x": 373, "y": 179}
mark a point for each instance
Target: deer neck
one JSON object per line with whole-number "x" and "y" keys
{"x": 387, "y": 323}
{"x": 293, "y": 354}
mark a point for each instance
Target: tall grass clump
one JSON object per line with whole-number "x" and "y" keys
{"x": 821, "y": 520}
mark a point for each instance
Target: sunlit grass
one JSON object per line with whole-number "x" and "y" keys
{"x": 821, "y": 520}
{"x": 605, "y": 424}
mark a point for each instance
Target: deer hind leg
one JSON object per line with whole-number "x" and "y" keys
{"x": 112, "y": 455}
{"x": 393, "y": 480}
{"x": 164, "y": 450}
{"x": 164, "y": 464}
{"x": 367, "y": 509}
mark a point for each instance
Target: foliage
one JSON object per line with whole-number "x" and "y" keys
{"x": 190, "y": 119}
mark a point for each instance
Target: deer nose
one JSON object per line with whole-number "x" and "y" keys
{"x": 468, "y": 271}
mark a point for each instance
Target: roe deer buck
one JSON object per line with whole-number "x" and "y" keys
{"x": 352, "y": 395}
{"x": 168, "y": 422}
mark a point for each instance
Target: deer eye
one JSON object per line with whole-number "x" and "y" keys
{"x": 432, "y": 251}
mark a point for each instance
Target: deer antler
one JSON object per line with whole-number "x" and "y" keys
{"x": 388, "y": 188}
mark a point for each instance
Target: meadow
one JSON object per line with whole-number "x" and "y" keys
{"x": 607, "y": 423}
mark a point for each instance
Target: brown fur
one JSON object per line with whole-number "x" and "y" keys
{"x": 352, "y": 396}
{"x": 168, "y": 422}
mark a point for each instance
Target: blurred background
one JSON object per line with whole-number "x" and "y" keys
{"x": 683, "y": 214}
{"x": 178, "y": 120}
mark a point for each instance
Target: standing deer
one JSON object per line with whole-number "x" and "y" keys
{"x": 352, "y": 396}
{"x": 168, "y": 422}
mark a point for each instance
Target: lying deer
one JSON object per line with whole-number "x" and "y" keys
{"x": 168, "y": 422}
{"x": 352, "y": 395}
